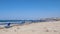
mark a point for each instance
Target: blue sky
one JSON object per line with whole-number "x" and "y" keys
{"x": 29, "y": 9}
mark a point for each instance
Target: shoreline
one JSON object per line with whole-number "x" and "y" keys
{"x": 34, "y": 28}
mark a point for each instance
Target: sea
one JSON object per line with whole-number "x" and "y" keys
{"x": 20, "y": 22}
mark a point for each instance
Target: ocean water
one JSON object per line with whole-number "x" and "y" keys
{"x": 4, "y": 22}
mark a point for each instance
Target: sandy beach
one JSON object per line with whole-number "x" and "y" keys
{"x": 34, "y": 28}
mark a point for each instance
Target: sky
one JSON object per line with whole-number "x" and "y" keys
{"x": 29, "y": 9}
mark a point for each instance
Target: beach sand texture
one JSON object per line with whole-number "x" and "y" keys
{"x": 34, "y": 28}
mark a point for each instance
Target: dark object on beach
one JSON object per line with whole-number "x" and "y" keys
{"x": 8, "y": 24}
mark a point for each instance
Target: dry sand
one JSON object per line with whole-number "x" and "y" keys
{"x": 34, "y": 28}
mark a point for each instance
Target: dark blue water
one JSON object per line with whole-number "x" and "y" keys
{"x": 2, "y": 22}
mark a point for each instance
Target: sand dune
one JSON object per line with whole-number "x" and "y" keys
{"x": 34, "y": 28}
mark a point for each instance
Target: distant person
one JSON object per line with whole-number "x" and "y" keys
{"x": 9, "y": 24}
